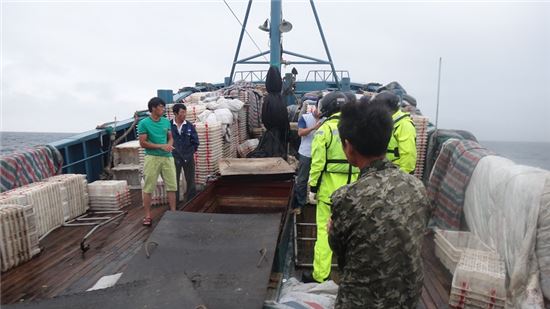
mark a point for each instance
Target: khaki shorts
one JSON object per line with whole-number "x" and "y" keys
{"x": 154, "y": 166}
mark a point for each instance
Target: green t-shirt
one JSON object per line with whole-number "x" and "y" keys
{"x": 157, "y": 133}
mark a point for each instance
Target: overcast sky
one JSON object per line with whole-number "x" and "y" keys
{"x": 68, "y": 66}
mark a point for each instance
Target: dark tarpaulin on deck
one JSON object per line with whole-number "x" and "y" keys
{"x": 227, "y": 257}
{"x": 160, "y": 292}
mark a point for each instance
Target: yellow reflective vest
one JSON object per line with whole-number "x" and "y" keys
{"x": 402, "y": 145}
{"x": 329, "y": 167}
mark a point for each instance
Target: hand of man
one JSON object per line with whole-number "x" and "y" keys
{"x": 312, "y": 198}
{"x": 329, "y": 225}
{"x": 167, "y": 147}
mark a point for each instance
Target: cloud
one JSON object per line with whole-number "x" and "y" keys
{"x": 69, "y": 66}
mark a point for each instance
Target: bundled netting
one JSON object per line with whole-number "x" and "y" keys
{"x": 108, "y": 195}
{"x": 74, "y": 194}
{"x": 18, "y": 235}
{"x": 247, "y": 146}
{"x": 252, "y": 96}
{"x": 209, "y": 151}
{"x": 421, "y": 124}
{"x": 46, "y": 200}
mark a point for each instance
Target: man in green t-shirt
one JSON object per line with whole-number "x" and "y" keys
{"x": 156, "y": 137}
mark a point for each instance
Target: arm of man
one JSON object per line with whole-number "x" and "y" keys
{"x": 144, "y": 143}
{"x": 303, "y": 130}
{"x": 406, "y": 142}
{"x": 318, "y": 158}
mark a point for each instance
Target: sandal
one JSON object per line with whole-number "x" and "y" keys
{"x": 147, "y": 221}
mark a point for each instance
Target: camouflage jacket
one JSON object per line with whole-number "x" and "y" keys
{"x": 377, "y": 233}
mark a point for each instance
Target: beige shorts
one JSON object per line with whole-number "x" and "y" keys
{"x": 154, "y": 166}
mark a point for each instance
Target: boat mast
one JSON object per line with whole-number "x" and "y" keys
{"x": 276, "y": 27}
{"x": 438, "y": 87}
{"x": 275, "y": 34}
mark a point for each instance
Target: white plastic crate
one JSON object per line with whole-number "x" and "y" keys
{"x": 449, "y": 246}
{"x": 479, "y": 281}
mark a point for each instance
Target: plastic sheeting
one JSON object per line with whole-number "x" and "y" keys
{"x": 298, "y": 295}
{"x": 502, "y": 206}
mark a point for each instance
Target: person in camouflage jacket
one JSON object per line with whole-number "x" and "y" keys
{"x": 378, "y": 222}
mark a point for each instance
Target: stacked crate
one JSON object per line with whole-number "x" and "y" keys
{"x": 128, "y": 163}
{"x": 450, "y": 245}
{"x": 231, "y": 141}
{"x": 18, "y": 237}
{"x": 160, "y": 195}
{"x": 46, "y": 200}
{"x": 209, "y": 151}
{"x": 421, "y": 124}
{"x": 241, "y": 125}
{"x": 193, "y": 112}
{"x": 478, "y": 271}
{"x": 74, "y": 194}
{"x": 18, "y": 234}
{"x": 478, "y": 281}
{"x": 108, "y": 195}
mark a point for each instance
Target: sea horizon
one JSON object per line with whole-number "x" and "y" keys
{"x": 531, "y": 153}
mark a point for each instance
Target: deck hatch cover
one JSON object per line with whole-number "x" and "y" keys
{"x": 228, "y": 257}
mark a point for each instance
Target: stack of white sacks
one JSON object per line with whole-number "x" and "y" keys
{"x": 30, "y": 212}
{"x": 219, "y": 132}
{"x": 108, "y": 195}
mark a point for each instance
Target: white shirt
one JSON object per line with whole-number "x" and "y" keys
{"x": 179, "y": 127}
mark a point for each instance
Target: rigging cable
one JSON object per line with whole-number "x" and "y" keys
{"x": 238, "y": 20}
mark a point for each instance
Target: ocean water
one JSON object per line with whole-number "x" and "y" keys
{"x": 535, "y": 154}
{"x": 14, "y": 141}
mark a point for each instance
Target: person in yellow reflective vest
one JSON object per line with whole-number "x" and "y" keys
{"x": 402, "y": 147}
{"x": 329, "y": 171}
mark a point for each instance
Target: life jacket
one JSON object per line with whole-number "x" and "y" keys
{"x": 335, "y": 158}
{"x": 393, "y": 149}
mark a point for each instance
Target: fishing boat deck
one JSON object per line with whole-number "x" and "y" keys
{"x": 61, "y": 268}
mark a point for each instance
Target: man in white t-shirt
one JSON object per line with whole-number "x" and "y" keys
{"x": 307, "y": 124}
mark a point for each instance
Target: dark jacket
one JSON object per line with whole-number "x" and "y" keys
{"x": 185, "y": 144}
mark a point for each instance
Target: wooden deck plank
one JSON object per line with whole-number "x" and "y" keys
{"x": 61, "y": 267}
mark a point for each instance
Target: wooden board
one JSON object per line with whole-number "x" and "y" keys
{"x": 254, "y": 166}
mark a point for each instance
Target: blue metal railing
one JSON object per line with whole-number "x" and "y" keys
{"x": 326, "y": 75}
{"x": 87, "y": 153}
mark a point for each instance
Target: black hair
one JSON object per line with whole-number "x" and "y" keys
{"x": 154, "y": 102}
{"x": 365, "y": 99}
{"x": 387, "y": 98}
{"x": 367, "y": 127}
{"x": 351, "y": 96}
{"x": 176, "y": 108}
